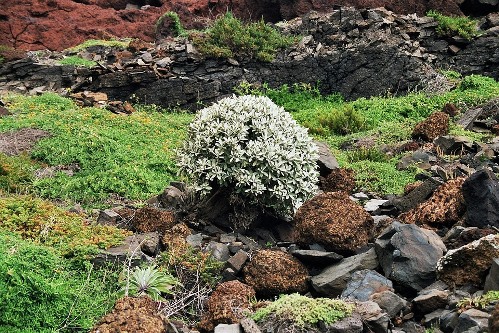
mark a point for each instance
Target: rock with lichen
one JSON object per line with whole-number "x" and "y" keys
{"x": 437, "y": 124}
{"x": 335, "y": 221}
{"x": 470, "y": 263}
{"x": 227, "y": 305}
{"x": 149, "y": 219}
{"x": 132, "y": 315}
{"x": 274, "y": 272}
{"x": 174, "y": 239}
{"x": 339, "y": 179}
{"x": 445, "y": 207}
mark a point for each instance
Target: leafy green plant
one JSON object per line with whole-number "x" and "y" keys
{"x": 77, "y": 61}
{"x": 175, "y": 19}
{"x": 229, "y": 37}
{"x": 44, "y": 223}
{"x": 147, "y": 281}
{"x": 304, "y": 312}
{"x": 340, "y": 121}
{"x": 449, "y": 26}
{"x": 479, "y": 302}
{"x": 372, "y": 154}
{"x": 250, "y": 146}
{"x": 42, "y": 292}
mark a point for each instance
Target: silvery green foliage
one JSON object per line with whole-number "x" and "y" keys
{"x": 253, "y": 146}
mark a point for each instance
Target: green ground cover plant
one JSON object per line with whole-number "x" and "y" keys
{"x": 16, "y": 173}
{"x": 131, "y": 156}
{"x": 77, "y": 61}
{"x": 178, "y": 28}
{"x": 389, "y": 120}
{"x": 42, "y": 292}
{"x": 450, "y": 26}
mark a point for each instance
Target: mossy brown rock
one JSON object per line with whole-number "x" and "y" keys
{"x": 446, "y": 206}
{"x": 227, "y": 305}
{"x": 340, "y": 179}
{"x": 174, "y": 239}
{"x": 132, "y": 315}
{"x": 437, "y": 124}
{"x": 333, "y": 220}
{"x": 470, "y": 263}
{"x": 148, "y": 219}
{"x": 274, "y": 272}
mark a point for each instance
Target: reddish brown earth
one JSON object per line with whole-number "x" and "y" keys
{"x": 59, "y": 24}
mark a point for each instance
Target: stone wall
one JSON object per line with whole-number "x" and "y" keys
{"x": 359, "y": 53}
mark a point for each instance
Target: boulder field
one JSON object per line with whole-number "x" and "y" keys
{"x": 59, "y": 24}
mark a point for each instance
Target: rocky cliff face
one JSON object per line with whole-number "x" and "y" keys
{"x": 59, "y": 24}
{"x": 358, "y": 53}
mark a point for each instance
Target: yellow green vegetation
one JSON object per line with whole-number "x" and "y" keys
{"x": 178, "y": 29}
{"x": 449, "y": 26}
{"x": 122, "y": 44}
{"x": 44, "y": 223}
{"x": 304, "y": 311}
{"x": 16, "y": 173}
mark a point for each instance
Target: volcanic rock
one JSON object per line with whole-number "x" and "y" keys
{"x": 409, "y": 254}
{"x": 445, "y": 206}
{"x": 469, "y": 263}
{"x": 481, "y": 194}
{"x": 339, "y": 179}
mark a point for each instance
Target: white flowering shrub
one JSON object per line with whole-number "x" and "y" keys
{"x": 252, "y": 146}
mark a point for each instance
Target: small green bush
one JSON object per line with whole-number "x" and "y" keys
{"x": 41, "y": 292}
{"x": 341, "y": 121}
{"x": 229, "y": 37}
{"x": 479, "y": 302}
{"x": 77, "y": 61}
{"x": 449, "y": 26}
{"x": 178, "y": 29}
{"x": 304, "y": 312}
{"x": 254, "y": 148}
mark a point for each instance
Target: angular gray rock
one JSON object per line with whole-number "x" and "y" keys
{"x": 363, "y": 284}
{"x": 409, "y": 254}
{"x": 228, "y": 328}
{"x": 219, "y": 251}
{"x": 481, "y": 195}
{"x": 391, "y": 303}
{"x": 373, "y": 316}
{"x": 492, "y": 280}
{"x": 430, "y": 300}
{"x": 129, "y": 252}
{"x": 333, "y": 280}
{"x": 351, "y": 324}
{"x": 326, "y": 162}
{"x": 472, "y": 320}
{"x": 317, "y": 258}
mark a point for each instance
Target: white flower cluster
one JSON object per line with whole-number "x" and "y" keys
{"x": 255, "y": 147}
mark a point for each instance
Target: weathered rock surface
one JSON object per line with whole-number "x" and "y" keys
{"x": 274, "y": 272}
{"x": 492, "y": 280}
{"x": 445, "y": 207}
{"x": 339, "y": 179}
{"x": 59, "y": 24}
{"x": 333, "y": 220}
{"x": 469, "y": 263}
{"x": 378, "y": 42}
{"x": 481, "y": 194}
{"x": 363, "y": 284}
{"x": 409, "y": 255}
{"x": 333, "y": 280}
